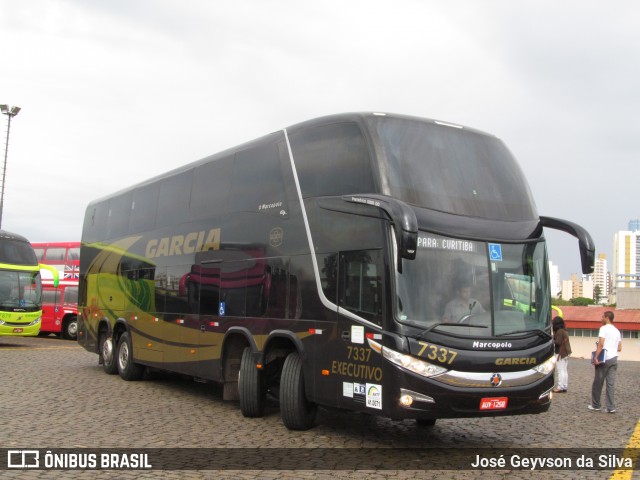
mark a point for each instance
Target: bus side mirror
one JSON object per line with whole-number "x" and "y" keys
{"x": 54, "y": 272}
{"x": 404, "y": 221}
{"x": 585, "y": 242}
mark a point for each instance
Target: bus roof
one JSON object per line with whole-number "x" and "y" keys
{"x": 4, "y": 235}
{"x": 357, "y": 117}
{"x": 56, "y": 244}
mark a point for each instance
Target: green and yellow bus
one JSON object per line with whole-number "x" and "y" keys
{"x": 20, "y": 287}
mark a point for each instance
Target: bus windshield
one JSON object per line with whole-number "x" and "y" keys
{"x": 472, "y": 288}
{"x": 20, "y": 290}
{"x": 476, "y": 174}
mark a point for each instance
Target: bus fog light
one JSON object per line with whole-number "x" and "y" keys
{"x": 406, "y": 400}
{"x": 409, "y": 397}
{"x": 548, "y": 394}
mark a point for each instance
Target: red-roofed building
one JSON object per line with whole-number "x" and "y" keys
{"x": 590, "y": 318}
{"x": 583, "y": 324}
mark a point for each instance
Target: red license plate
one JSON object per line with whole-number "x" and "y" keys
{"x": 493, "y": 403}
{"x": 17, "y": 330}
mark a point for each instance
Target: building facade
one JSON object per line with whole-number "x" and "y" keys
{"x": 601, "y": 286}
{"x": 554, "y": 280}
{"x": 626, "y": 252}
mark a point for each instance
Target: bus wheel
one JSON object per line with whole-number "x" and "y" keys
{"x": 70, "y": 328}
{"x": 297, "y": 413}
{"x": 107, "y": 354}
{"x": 127, "y": 369}
{"x": 250, "y": 387}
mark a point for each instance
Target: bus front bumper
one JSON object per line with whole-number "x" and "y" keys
{"x": 409, "y": 395}
{"x": 15, "y": 329}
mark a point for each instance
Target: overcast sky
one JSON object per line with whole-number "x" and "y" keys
{"x": 114, "y": 92}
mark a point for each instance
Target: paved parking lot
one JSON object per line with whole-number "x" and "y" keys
{"x": 54, "y": 395}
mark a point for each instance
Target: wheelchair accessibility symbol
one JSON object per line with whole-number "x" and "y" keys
{"x": 495, "y": 252}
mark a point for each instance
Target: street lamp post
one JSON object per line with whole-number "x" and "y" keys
{"x": 10, "y": 112}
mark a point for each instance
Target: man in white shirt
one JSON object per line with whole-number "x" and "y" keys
{"x": 609, "y": 340}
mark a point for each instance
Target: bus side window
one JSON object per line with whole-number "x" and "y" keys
{"x": 118, "y": 216}
{"x": 332, "y": 160}
{"x": 56, "y": 254}
{"x": 329, "y": 275}
{"x": 360, "y": 285}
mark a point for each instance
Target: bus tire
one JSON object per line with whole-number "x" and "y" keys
{"x": 127, "y": 368}
{"x": 107, "y": 354}
{"x": 297, "y": 413}
{"x": 70, "y": 328}
{"x": 251, "y": 387}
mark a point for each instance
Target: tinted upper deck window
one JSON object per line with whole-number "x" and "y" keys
{"x": 257, "y": 180}
{"x": 143, "y": 208}
{"x": 56, "y": 253}
{"x": 17, "y": 252}
{"x": 453, "y": 170}
{"x": 211, "y": 187}
{"x": 95, "y": 222}
{"x": 173, "y": 200}
{"x": 332, "y": 160}
{"x": 118, "y": 217}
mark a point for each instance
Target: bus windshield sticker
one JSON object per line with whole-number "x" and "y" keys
{"x": 374, "y": 396}
{"x": 347, "y": 389}
{"x": 495, "y": 252}
{"x": 450, "y": 244}
{"x": 357, "y": 334}
{"x": 222, "y": 309}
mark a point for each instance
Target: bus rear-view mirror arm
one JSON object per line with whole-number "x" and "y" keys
{"x": 585, "y": 242}
{"x": 403, "y": 218}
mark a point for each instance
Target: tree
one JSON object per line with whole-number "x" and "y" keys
{"x": 597, "y": 293}
{"x": 581, "y": 301}
{"x": 559, "y": 302}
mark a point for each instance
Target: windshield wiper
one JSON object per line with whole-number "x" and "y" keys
{"x": 539, "y": 331}
{"x": 448, "y": 324}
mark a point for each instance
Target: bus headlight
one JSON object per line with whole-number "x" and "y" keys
{"x": 408, "y": 362}
{"x": 547, "y": 367}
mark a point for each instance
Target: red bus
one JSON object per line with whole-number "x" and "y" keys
{"x": 60, "y": 304}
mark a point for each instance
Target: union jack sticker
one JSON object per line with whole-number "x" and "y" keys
{"x": 71, "y": 271}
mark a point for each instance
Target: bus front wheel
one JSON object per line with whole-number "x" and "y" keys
{"x": 127, "y": 368}
{"x": 250, "y": 387}
{"x": 297, "y": 413}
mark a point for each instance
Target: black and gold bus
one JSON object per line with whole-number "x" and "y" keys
{"x": 373, "y": 262}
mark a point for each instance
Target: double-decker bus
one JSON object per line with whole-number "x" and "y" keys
{"x": 20, "y": 286}
{"x": 60, "y": 301}
{"x": 373, "y": 262}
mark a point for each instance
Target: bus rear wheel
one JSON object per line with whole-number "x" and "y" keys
{"x": 251, "y": 387}
{"x": 127, "y": 368}
{"x": 297, "y": 412}
{"x": 70, "y": 328}
{"x": 107, "y": 354}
